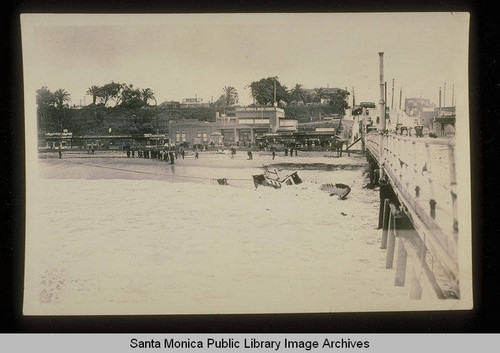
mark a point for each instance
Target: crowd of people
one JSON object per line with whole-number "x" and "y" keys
{"x": 162, "y": 154}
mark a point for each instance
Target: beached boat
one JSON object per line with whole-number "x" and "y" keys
{"x": 272, "y": 178}
{"x": 341, "y": 190}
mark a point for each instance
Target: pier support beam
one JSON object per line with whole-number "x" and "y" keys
{"x": 415, "y": 287}
{"x": 385, "y": 193}
{"x": 385, "y": 224}
{"x": 395, "y": 228}
{"x": 391, "y": 240}
{"x": 401, "y": 260}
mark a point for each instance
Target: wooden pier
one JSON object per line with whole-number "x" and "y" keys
{"x": 418, "y": 211}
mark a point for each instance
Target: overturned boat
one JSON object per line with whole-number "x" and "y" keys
{"x": 271, "y": 178}
{"x": 341, "y": 190}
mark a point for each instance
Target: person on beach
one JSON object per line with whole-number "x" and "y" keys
{"x": 233, "y": 152}
{"x": 250, "y": 156}
{"x": 291, "y": 152}
{"x": 196, "y": 155}
{"x": 286, "y": 151}
{"x": 60, "y": 152}
{"x": 295, "y": 152}
{"x": 182, "y": 153}
{"x": 171, "y": 155}
{"x": 133, "y": 152}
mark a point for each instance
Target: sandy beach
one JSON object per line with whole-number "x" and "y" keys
{"x": 135, "y": 236}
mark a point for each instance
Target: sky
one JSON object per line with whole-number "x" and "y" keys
{"x": 183, "y": 56}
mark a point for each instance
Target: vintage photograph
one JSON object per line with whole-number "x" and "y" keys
{"x": 246, "y": 163}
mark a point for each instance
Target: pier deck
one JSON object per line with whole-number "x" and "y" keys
{"x": 421, "y": 174}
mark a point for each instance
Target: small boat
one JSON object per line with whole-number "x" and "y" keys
{"x": 341, "y": 190}
{"x": 272, "y": 179}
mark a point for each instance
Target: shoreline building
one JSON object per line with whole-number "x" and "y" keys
{"x": 420, "y": 109}
{"x": 252, "y": 123}
{"x": 193, "y": 132}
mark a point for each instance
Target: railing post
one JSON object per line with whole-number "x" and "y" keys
{"x": 453, "y": 185}
{"x": 430, "y": 181}
{"x": 415, "y": 171}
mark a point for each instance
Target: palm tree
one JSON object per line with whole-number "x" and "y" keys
{"x": 61, "y": 96}
{"x": 320, "y": 93}
{"x": 147, "y": 94}
{"x": 230, "y": 96}
{"x": 94, "y": 91}
{"x": 297, "y": 93}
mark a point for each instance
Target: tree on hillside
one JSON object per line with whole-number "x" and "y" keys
{"x": 130, "y": 97}
{"x": 230, "y": 95}
{"x": 111, "y": 91}
{"x": 319, "y": 94}
{"x": 61, "y": 96}
{"x": 263, "y": 91}
{"x": 94, "y": 91}
{"x": 45, "y": 101}
{"x": 297, "y": 93}
{"x": 44, "y": 97}
{"x": 147, "y": 94}
{"x": 338, "y": 100}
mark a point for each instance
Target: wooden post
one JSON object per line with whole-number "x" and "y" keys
{"x": 401, "y": 260}
{"x": 453, "y": 186}
{"x": 384, "y": 193}
{"x": 415, "y": 286}
{"x": 391, "y": 240}
{"x": 385, "y": 224}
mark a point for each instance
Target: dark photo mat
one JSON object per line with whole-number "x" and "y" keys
{"x": 483, "y": 113}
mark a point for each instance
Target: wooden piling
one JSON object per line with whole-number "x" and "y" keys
{"x": 415, "y": 286}
{"x": 385, "y": 223}
{"x": 401, "y": 260}
{"x": 391, "y": 240}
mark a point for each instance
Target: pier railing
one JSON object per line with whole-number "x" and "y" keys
{"x": 422, "y": 173}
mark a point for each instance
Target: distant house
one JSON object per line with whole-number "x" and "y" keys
{"x": 171, "y": 104}
{"x": 193, "y": 103}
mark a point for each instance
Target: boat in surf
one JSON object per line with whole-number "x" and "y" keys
{"x": 273, "y": 179}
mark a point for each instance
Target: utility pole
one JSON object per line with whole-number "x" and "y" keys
{"x": 400, "y": 96}
{"x": 353, "y": 98}
{"x": 444, "y": 95}
{"x": 392, "y": 95}
{"x": 274, "y": 91}
{"x": 382, "y": 85}
{"x": 385, "y": 99}
{"x": 439, "y": 109}
{"x": 453, "y": 95}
